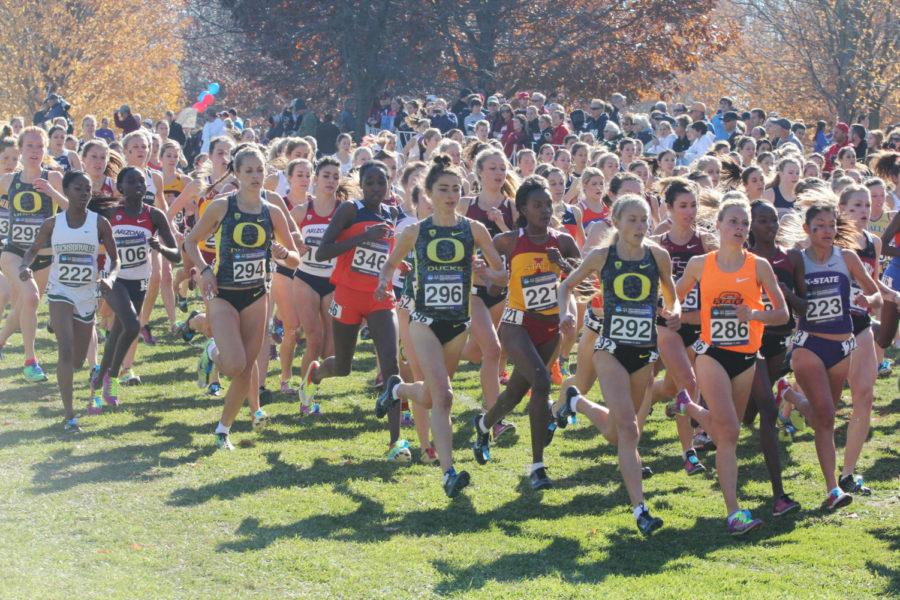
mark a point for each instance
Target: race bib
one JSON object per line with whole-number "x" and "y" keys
{"x": 24, "y": 232}
{"x": 369, "y": 258}
{"x": 631, "y": 330}
{"x": 75, "y": 270}
{"x": 444, "y": 290}
{"x": 725, "y": 329}
{"x": 691, "y": 301}
{"x": 132, "y": 251}
{"x": 4, "y": 223}
{"x": 824, "y": 308}
{"x": 250, "y": 270}
{"x": 512, "y": 316}
{"x": 540, "y": 291}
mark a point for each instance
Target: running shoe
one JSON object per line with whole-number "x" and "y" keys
{"x": 147, "y": 336}
{"x": 854, "y": 484}
{"x": 504, "y": 378}
{"x": 287, "y": 389}
{"x": 692, "y": 464}
{"x": 482, "y": 442}
{"x": 647, "y": 523}
{"x": 565, "y": 414}
{"x": 836, "y": 498}
{"x": 646, "y": 472}
{"x": 783, "y": 505}
{"x": 95, "y": 370}
{"x": 885, "y": 368}
{"x": 260, "y": 420}
{"x": 71, "y": 426}
{"x": 556, "y": 377}
{"x": 428, "y": 455}
{"x": 677, "y": 406}
{"x": 781, "y": 387}
{"x": 406, "y": 419}
{"x": 310, "y": 410}
{"x": 454, "y": 482}
{"x": 130, "y": 378}
{"x": 786, "y": 429}
{"x": 204, "y": 366}
{"x": 223, "y": 442}
{"x": 399, "y": 452}
{"x": 277, "y": 330}
{"x": 111, "y": 390}
{"x": 741, "y": 522}
{"x": 503, "y": 427}
{"x": 551, "y": 430}
{"x": 386, "y": 400}
{"x": 95, "y": 405}
{"x": 308, "y": 388}
{"x": 182, "y": 302}
{"x": 184, "y": 330}
{"x": 34, "y": 373}
{"x": 214, "y": 389}
{"x": 702, "y": 441}
{"x": 539, "y": 479}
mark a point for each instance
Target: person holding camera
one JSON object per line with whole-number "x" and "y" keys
{"x": 54, "y": 106}
{"x": 126, "y": 121}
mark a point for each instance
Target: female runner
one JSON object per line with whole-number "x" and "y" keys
{"x": 136, "y": 228}
{"x": 33, "y": 195}
{"x": 66, "y": 159}
{"x": 312, "y": 286}
{"x": 443, "y": 246}
{"x": 731, "y": 326}
{"x": 780, "y": 192}
{"x": 529, "y": 329}
{"x": 632, "y": 271}
{"x": 249, "y": 231}
{"x": 360, "y": 237}
{"x": 493, "y": 209}
{"x": 75, "y": 237}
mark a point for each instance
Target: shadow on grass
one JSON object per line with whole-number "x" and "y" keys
{"x": 64, "y": 469}
{"x": 889, "y": 572}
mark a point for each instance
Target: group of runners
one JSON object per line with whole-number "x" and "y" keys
{"x": 696, "y": 289}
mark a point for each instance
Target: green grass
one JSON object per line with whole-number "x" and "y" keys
{"x": 140, "y": 505}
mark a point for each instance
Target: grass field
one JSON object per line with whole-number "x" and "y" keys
{"x": 140, "y": 505}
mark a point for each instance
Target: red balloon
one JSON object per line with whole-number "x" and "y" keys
{"x": 198, "y": 106}
{"x": 208, "y": 100}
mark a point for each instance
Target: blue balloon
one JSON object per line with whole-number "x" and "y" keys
{"x": 202, "y": 95}
{"x": 213, "y": 88}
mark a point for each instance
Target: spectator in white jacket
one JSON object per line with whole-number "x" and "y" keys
{"x": 663, "y": 139}
{"x": 701, "y": 140}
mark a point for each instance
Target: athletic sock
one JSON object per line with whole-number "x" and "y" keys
{"x": 536, "y": 466}
{"x": 31, "y": 361}
{"x": 393, "y": 392}
{"x": 481, "y": 425}
{"x": 210, "y": 348}
{"x": 222, "y": 429}
{"x": 573, "y": 403}
{"x": 639, "y": 510}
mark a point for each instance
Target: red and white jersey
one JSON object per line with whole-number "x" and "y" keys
{"x": 312, "y": 228}
{"x": 131, "y": 235}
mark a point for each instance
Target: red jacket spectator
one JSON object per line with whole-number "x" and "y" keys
{"x": 841, "y": 139}
{"x": 512, "y": 141}
{"x": 559, "y": 135}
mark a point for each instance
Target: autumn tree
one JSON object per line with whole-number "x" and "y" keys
{"x": 98, "y": 54}
{"x": 810, "y": 59}
{"x": 580, "y": 46}
{"x": 342, "y": 47}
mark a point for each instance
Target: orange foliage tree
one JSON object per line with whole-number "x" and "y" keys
{"x": 812, "y": 59}
{"x": 97, "y": 54}
{"x": 592, "y": 47}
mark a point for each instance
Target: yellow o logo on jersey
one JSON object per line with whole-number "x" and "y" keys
{"x": 36, "y": 199}
{"x": 459, "y": 251}
{"x": 619, "y": 286}
{"x": 258, "y": 236}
